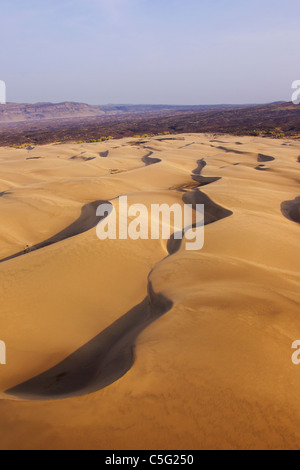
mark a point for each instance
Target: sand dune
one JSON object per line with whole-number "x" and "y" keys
{"x": 141, "y": 344}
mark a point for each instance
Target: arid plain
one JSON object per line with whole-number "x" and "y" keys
{"x": 132, "y": 344}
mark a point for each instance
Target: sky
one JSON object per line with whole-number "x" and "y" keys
{"x": 149, "y": 51}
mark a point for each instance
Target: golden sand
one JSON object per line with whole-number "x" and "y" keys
{"x": 211, "y": 367}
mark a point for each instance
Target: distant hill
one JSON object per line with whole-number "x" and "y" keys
{"x": 15, "y": 112}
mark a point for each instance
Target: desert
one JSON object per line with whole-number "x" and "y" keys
{"x": 133, "y": 344}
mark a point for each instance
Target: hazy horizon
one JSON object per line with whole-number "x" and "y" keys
{"x": 149, "y": 52}
{"x": 146, "y": 104}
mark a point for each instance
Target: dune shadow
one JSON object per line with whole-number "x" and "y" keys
{"x": 87, "y": 220}
{"x": 100, "y": 362}
{"x": 187, "y": 145}
{"x": 212, "y": 213}
{"x": 198, "y": 178}
{"x": 264, "y": 158}
{"x": 262, "y": 168}
{"x": 227, "y": 150}
{"x": 82, "y": 158}
{"x": 148, "y": 160}
{"x": 200, "y": 165}
{"x": 204, "y": 180}
{"x": 166, "y": 139}
{"x": 291, "y": 210}
{"x": 104, "y": 154}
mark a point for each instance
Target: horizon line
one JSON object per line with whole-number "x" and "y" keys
{"x": 146, "y": 104}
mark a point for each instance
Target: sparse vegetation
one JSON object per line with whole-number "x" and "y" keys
{"x": 275, "y": 133}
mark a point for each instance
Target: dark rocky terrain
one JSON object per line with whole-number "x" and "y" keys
{"x": 45, "y": 123}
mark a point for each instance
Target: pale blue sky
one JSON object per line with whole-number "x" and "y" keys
{"x": 149, "y": 51}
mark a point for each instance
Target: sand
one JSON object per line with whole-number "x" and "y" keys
{"x": 123, "y": 344}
